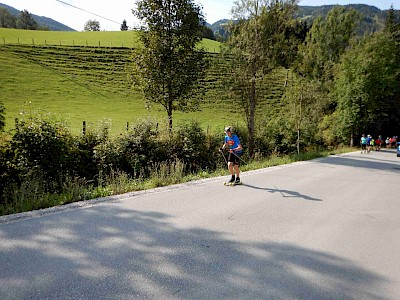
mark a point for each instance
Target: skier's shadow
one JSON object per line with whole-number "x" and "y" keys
{"x": 284, "y": 193}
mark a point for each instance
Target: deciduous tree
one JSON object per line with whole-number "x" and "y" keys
{"x": 255, "y": 47}
{"x": 326, "y": 42}
{"x": 92, "y": 25}
{"x": 169, "y": 66}
{"x": 367, "y": 86}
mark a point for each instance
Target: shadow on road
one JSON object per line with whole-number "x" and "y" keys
{"x": 114, "y": 253}
{"x": 366, "y": 161}
{"x": 284, "y": 193}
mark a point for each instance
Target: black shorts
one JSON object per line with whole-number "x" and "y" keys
{"x": 234, "y": 157}
{"x": 363, "y": 146}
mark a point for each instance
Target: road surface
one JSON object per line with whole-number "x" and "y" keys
{"x": 322, "y": 229}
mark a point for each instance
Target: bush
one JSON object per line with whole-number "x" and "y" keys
{"x": 196, "y": 149}
{"x": 134, "y": 152}
{"x": 43, "y": 145}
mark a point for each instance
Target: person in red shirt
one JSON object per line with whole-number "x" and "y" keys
{"x": 378, "y": 143}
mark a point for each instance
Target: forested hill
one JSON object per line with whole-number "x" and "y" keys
{"x": 45, "y": 22}
{"x": 373, "y": 18}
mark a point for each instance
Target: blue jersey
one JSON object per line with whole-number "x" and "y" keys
{"x": 363, "y": 141}
{"x": 233, "y": 142}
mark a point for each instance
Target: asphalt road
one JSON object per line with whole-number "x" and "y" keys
{"x": 322, "y": 229}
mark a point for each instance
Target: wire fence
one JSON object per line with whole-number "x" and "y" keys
{"x": 52, "y": 42}
{"x": 78, "y": 42}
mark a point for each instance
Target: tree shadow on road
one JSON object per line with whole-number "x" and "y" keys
{"x": 366, "y": 162}
{"x": 110, "y": 252}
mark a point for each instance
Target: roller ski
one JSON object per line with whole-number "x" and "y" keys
{"x": 233, "y": 182}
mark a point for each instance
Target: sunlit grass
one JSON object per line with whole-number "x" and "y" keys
{"x": 127, "y": 39}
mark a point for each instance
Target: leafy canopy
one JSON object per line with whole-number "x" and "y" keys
{"x": 168, "y": 68}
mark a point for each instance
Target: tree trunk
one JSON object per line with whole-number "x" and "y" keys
{"x": 299, "y": 123}
{"x": 351, "y": 140}
{"x": 252, "y": 113}
{"x": 169, "y": 112}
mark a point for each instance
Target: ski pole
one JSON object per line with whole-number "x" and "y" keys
{"x": 220, "y": 151}
{"x": 240, "y": 158}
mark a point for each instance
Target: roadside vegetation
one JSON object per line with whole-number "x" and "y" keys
{"x": 43, "y": 164}
{"x": 291, "y": 94}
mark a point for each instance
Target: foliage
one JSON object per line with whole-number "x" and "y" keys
{"x": 372, "y": 18}
{"x": 194, "y": 148}
{"x": 43, "y": 159}
{"x": 92, "y": 25}
{"x": 124, "y": 26}
{"x": 42, "y": 146}
{"x": 367, "y": 86}
{"x": 391, "y": 24}
{"x": 255, "y": 47}
{"x": 168, "y": 69}
{"x": 134, "y": 152}
{"x": 7, "y": 20}
{"x": 303, "y": 111}
{"x": 207, "y": 33}
{"x": 326, "y": 42}
{"x": 26, "y": 21}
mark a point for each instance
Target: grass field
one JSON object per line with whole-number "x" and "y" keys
{"x": 85, "y": 38}
{"x": 92, "y": 84}
{"x": 81, "y": 84}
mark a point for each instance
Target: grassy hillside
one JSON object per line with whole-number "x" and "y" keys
{"x": 87, "y": 38}
{"x": 92, "y": 84}
{"x": 83, "y": 84}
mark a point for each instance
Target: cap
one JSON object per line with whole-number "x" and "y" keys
{"x": 228, "y": 129}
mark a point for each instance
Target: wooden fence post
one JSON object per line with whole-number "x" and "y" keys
{"x": 84, "y": 128}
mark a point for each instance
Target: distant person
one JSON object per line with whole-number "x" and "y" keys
{"x": 235, "y": 151}
{"x": 394, "y": 141}
{"x": 371, "y": 144}
{"x": 378, "y": 143}
{"x": 387, "y": 142}
{"x": 369, "y": 138}
{"x": 363, "y": 142}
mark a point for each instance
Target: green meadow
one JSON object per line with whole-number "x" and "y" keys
{"x": 85, "y": 38}
{"x": 88, "y": 83}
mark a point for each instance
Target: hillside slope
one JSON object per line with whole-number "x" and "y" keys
{"x": 89, "y": 84}
{"x": 93, "y": 84}
{"x": 42, "y": 21}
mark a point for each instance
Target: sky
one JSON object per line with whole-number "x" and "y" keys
{"x": 110, "y": 14}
